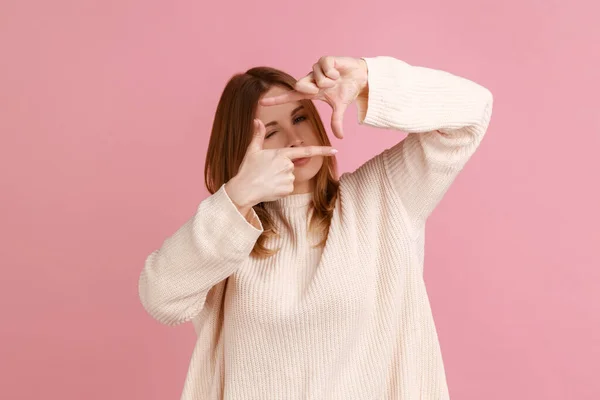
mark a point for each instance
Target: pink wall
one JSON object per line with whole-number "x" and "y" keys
{"x": 105, "y": 112}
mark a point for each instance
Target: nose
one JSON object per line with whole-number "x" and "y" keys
{"x": 295, "y": 140}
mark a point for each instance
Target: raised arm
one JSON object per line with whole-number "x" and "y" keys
{"x": 445, "y": 116}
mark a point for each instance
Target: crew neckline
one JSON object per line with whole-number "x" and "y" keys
{"x": 298, "y": 200}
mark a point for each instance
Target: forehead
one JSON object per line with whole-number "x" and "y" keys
{"x": 278, "y": 112}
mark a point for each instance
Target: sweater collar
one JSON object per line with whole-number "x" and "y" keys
{"x": 300, "y": 200}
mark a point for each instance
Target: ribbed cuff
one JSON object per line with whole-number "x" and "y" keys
{"x": 231, "y": 230}
{"x": 384, "y": 76}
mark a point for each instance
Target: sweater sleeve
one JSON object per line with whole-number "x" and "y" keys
{"x": 204, "y": 251}
{"x": 445, "y": 117}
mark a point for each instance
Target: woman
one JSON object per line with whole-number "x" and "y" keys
{"x": 301, "y": 286}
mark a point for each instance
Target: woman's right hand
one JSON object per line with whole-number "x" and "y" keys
{"x": 267, "y": 174}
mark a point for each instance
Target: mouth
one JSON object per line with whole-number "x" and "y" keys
{"x": 301, "y": 161}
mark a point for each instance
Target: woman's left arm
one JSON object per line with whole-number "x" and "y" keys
{"x": 445, "y": 116}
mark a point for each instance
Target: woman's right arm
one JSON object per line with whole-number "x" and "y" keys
{"x": 207, "y": 249}
{"x": 214, "y": 243}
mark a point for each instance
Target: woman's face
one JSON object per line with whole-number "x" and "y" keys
{"x": 287, "y": 126}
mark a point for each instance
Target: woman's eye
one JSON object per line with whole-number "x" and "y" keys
{"x": 299, "y": 119}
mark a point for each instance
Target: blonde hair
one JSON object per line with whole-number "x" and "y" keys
{"x": 232, "y": 132}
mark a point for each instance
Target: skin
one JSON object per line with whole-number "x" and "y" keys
{"x": 291, "y": 130}
{"x": 338, "y": 81}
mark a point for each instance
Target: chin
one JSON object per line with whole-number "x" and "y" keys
{"x": 308, "y": 171}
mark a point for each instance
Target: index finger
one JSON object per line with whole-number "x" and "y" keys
{"x": 308, "y": 151}
{"x": 288, "y": 97}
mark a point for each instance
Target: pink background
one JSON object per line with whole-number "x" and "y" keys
{"x": 105, "y": 114}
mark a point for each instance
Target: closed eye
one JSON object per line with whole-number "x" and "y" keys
{"x": 297, "y": 120}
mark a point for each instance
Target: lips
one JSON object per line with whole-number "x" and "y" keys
{"x": 301, "y": 161}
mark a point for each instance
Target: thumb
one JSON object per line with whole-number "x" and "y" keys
{"x": 258, "y": 138}
{"x": 337, "y": 120}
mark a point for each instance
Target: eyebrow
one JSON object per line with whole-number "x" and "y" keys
{"x": 292, "y": 113}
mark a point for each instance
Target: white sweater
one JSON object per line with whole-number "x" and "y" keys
{"x": 352, "y": 320}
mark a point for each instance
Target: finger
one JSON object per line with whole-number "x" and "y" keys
{"x": 258, "y": 138}
{"x": 328, "y": 67}
{"x": 288, "y": 97}
{"x": 337, "y": 120}
{"x": 308, "y": 151}
{"x": 289, "y": 166}
{"x": 307, "y": 85}
{"x": 321, "y": 80}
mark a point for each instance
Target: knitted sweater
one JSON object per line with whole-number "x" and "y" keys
{"x": 348, "y": 321}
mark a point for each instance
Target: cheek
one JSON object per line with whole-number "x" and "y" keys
{"x": 318, "y": 162}
{"x": 309, "y": 170}
{"x": 315, "y": 165}
{"x": 273, "y": 143}
{"x": 310, "y": 137}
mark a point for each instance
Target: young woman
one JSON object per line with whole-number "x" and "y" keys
{"x": 301, "y": 285}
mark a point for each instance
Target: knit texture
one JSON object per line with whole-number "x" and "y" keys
{"x": 348, "y": 321}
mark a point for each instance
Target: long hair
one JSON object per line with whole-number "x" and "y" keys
{"x": 230, "y": 137}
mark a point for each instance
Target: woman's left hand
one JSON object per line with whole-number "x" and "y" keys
{"x": 336, "y": 80}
